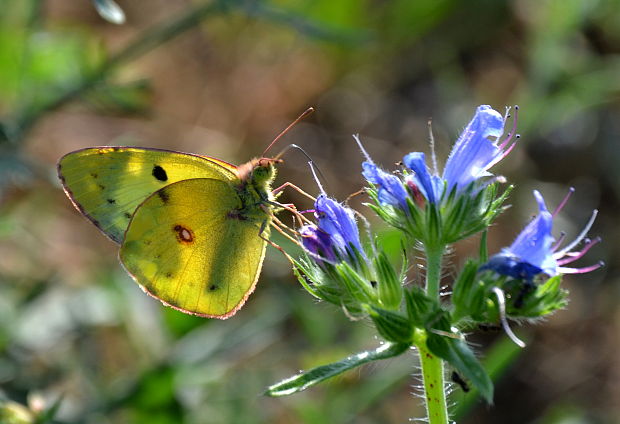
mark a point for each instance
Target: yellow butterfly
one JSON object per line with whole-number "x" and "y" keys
{"x": 193, "y": 229}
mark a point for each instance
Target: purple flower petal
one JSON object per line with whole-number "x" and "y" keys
{"x": 532, "y": 251}
{"x": 338, "y": 222}
{"x": 416, "y": 161}
{"x": 474, "y": 153}
{"x": 317, "y": 242}
{"x": 391, "y": 190}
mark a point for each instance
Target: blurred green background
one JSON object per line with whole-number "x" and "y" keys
{"x": 222, "y": 78}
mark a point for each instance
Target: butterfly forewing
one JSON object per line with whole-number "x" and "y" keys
{"x": 108, "y": 183}
{"x": 189, "y": 246}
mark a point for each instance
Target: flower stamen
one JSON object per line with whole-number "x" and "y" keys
{"x": 573, "y": 256}
{"x": 513, "y": 130}
{"x": 563, "y": 202}
{"x": 580, "y": 237}
{"x": 581, "y": 270}
{"x": 559, "y": 241}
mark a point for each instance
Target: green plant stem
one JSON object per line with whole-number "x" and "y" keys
{"x": 434, "y": 395}
{"x": 434, "y": 256}
{"x": 432, "y": 366}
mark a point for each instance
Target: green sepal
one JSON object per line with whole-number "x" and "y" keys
{"x": 392, "y": 326}
{"x": 389, "y": 286}
{"x": 484, "y": 250}
{"x": 358, "y": 288}
{"x": 455, "y": 351}
{"x": 420, "y": 307}
{"x": 434, "y": 226}
{"x": 544, "y": 299}
{"x": 469, "y": 294}
{"x": 471, "y": 211}
{"x": 305, "y": 277}
{"x": 314, "y": 376}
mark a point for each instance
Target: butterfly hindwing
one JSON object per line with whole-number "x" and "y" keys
{"x": 194, "y": 246}
{"x": 108, "y": 183}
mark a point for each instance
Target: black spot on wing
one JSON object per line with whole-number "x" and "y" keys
{"x": 213, "y": 287}
{"x": 159, "y": 173}
{"x": 127, "y": 215}
{"x": 111, "y": 201}
{"x": 163, "y": 195}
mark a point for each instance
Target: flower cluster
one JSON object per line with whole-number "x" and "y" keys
{"x": 336, "y": 267}
{"x": 535, "y": 251}
{"x": 336, "y": 236}
{"x": 432, "y": 211}
{"x": 421, "y": 202}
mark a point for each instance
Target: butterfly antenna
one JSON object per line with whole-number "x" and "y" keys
{"x": 291, "y": 125}
{"x": 310, "y": 160}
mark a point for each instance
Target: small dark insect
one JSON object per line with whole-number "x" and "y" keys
{"x": 489, "y": 328}
{"x": 527, "y": 288}
{"x": 456, "y": 378}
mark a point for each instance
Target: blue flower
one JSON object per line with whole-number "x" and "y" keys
{"x": 474, "y": 152}
{"x": 431, "y": 186}
{"x": 390, "y": 188}
{"x": 535, "y": 250}
{"x": 318, "y": 243}
{"x": 335, "y": 236}
{"x": 470, "y": 159}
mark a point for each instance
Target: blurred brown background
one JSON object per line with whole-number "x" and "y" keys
{"x": 234, "y": 74}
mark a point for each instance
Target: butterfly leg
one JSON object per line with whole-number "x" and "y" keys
{"x": 278, "y": 229}
{"x": 293, "y": 210}
{"x": 278, "y": 191}
{"x": 357, "y": 193}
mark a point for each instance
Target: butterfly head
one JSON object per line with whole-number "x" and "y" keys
{"x": 258, "y": 171}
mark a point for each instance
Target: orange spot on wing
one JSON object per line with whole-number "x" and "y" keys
{"x": 184, "y": 235}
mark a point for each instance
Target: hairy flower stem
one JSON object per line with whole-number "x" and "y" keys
{"x": 434, "y": 255}
{"x": 432, "y": 366}
{"x": 434, "y": 395}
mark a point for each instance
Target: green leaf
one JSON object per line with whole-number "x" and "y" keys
{"x": 497, "y": 360}
{"x": 462, "y": 358}
{"x": 307, "y": 379}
